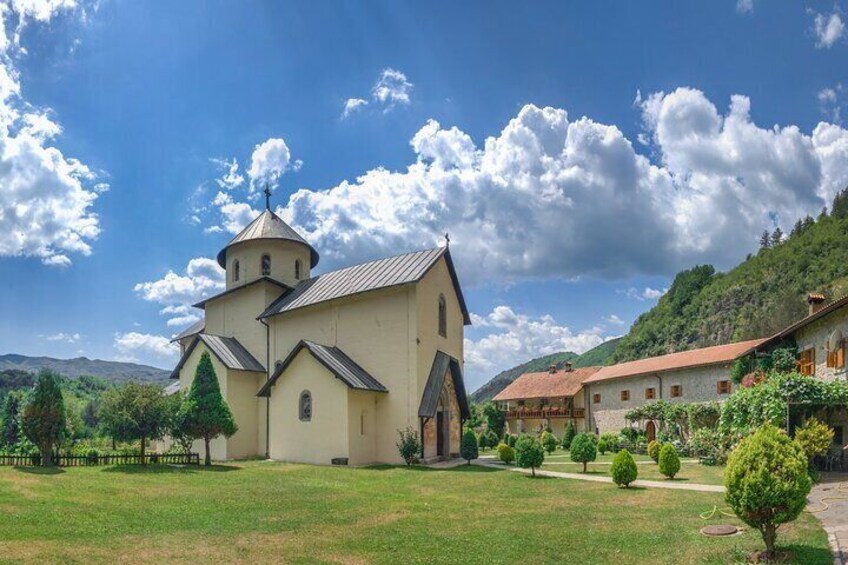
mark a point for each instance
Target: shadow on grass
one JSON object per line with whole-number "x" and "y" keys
{"x": 806, "y": 554}
{"x": 168, "y": 469}
{"x": 40, "y": 470}
{"x": 425, "y": 469}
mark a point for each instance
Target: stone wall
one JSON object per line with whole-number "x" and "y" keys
{"x": 815, "y": 335}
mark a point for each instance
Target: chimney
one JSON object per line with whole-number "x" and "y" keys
{"x": 552, "y": 369}
{"x": 816, "y": 302}
{"x": 568, "y": 367}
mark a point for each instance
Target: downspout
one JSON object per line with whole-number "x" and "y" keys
{"x": 659, "y": 378}
{"x": 267, "y": 398}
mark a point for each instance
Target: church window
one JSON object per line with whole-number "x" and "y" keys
{"x": 305, "y": 411}
{"x": 266, "y": 265}
{"x": 236, "y": 270}
{"x": 443, "y": 316}
{"x": 297, "y": 269}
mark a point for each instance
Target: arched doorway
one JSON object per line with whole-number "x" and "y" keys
{"x": 651, "y": 430}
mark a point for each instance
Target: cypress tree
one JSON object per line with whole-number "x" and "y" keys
{"x": 43, "y": 418}
{"x": 468, "y": 448}
{"x": 206, "y": 412}
{"x": 11, "y": 415}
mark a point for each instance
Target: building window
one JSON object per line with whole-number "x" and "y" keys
{"x": 297, "y": 269}
{"x": 723, "y": 387}
{"x": 676, "y": 391}
{"x": 596, "y": 398}
{"x": 836, "y": 359}
{"x": 443, "y": 316}
{"x": 807, "y": 362}
{"x": 236, "y": 271}
{"x": 305, "y": 410}
{"x": 625, "y": 395}
{"x": 650, "y": 393}
{"x": 266, "y": 265}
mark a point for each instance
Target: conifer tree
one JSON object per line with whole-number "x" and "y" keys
{"x": 468, "y": 448}
{"x": 10, "y": 418}
{"x": 207, "y": 414}
{"x": 765, "y": 240}
{"x": 776, "y": 237}
{"x": 43, "y": 418}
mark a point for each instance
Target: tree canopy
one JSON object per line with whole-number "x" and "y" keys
{"x": 43, "y": 418}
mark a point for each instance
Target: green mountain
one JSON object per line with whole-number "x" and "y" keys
{"x": 760, "y": 296}
{"x": 112, "y": 371}
{"x": 600, "y": 355}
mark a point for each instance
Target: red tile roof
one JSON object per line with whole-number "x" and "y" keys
{"x": 685, "y": 359}
{"x": 546, "y": 385}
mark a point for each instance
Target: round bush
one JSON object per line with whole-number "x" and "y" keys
{"x": 529, "y": 453}
{"x": 766, "y": 481}
{"x": 815, "y": 438}
{"x": 506, "y": 453}
{"x": 669, "y": 461}
{"x": 654, "y": 450}
{"x": 623, "y": 469}
{"x": 602, "y": 446}
{"x": 549, "y": 442}
{"x": 583, "y": 449}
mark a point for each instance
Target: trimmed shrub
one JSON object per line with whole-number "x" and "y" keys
{"x": 408, "y": 445}
{"x": 611, "y": 440}
{"x": 602, "y": 446}
{"x": 623, "y": 469}
{"x": 766, "y": 482}
{"x": 529, "y": 453}
{"x": 568, "y": 435}
{"x": 468, "y": 448}
{"x": 583, "y": 449}
{"x": 506, "y": 453}
{"x": 815, "y": 438}
{"x": 630, "y": 434}
{"x": 669, "y": 462}
{"x": 654, "y": 450}
{"x": 549, "y": 442}
{"x": 510, "y": 440}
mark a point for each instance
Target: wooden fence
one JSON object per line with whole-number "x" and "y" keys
{"x": 94, "y": 460}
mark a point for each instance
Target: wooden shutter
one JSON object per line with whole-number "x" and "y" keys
{"x": 808, "y": 362}
{"x": 840, "y": 356}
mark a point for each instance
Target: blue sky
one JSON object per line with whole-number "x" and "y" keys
{"x": 579, "y": 153}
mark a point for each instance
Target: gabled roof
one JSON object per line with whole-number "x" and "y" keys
{"x": 789, "y": 330}
{"x": 193, "y": 329}
{"x": 228, "y": 350}
{"x": 546, "y": 384}
{"x": 334, "y": 360}
{"x": 171, "y": 389}
{"x": 683, "y": 360}
{"x": 374, "y": 275}
{"x": 282, "y": 285}
{"x": 442, "y": 365}
{"x": 267, "y": 225}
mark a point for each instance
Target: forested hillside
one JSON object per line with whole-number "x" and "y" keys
{"x": 757, "y": 298}
{"x": 113, "y": 371}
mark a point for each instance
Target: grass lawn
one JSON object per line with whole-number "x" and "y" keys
{"x": 272, "y": 512}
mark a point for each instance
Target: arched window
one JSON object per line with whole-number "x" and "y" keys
{"x": 297, "y": 269}
{"x": 305, "y": 410}
{"x": 266, "y": 265}
{"x": 236, "y": 270}
{"x": 443, "y": 316}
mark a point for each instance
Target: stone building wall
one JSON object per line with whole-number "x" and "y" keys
{"x": 816, "y": 334}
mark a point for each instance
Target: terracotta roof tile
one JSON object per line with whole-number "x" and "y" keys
{"x": 546, "y": 385}
{"x": 682, "y": 360}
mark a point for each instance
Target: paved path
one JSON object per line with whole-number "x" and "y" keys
{"x": 828, "y": 502}
{"x": 597, "y": 479}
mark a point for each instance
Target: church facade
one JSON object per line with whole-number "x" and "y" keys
{"x": 326, "y": 369}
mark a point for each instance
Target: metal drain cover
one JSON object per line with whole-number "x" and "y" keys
{"x": 719, "y": 530}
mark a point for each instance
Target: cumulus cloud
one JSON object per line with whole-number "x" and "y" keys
{"x": 831, "y": 101}
{"x": 177, "y": 292}
{"x": 391, "y": 89}
{"x": 139, "y": 347}
{"x": 46, "y": 198}
{"x": 614, "y": 320}
{"x": 230, "y": 177}
{"x": 269, "y": 161}
{"x": 516, "y": 338}
{"x": 744, "y": 6}
{"x": 352, "y": 105}
{"x": 828, "y": 29}
{"x": 647, "y": 293}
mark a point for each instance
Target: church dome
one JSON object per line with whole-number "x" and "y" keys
{"x": 267, "y": 226}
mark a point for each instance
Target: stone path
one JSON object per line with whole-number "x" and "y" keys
{"x": 834, "y": 517}
{"x": 596, "y": 479}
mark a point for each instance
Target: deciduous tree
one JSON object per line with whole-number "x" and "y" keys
{"x": 133, "y": 412}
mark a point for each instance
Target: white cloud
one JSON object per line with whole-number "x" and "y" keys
{"x": 176, "y": 293}
{"x": 66, "y": 337}
{"x": 647, "y": 293}
{"x": 352, "y": 105}
{"x": 46, "y": 198}
{"x": 828, "y": 29}
{"x": 744, "y": 6}
{"x": 269, "y": 161}
{"x": 392, "y": 88}
{"x": 516, "y": 338}
{"x": 831, "y": 101}
{"x": 234, "y": 215}
{"x": 614, "y": 320}
{"x": 139, "y": 347}
{"x": 231, "y": 178}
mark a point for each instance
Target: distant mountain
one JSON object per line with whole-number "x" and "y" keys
{"x": 600, "y": 355}
{"x": 112, "y": 371}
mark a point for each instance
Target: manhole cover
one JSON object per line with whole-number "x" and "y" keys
{"x": 719, "y": 530}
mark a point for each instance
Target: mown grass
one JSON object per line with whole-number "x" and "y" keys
{"x": 271, "y": 512}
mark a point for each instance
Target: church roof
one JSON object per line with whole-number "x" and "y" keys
{"x": 228, "y": 350}
{"x": 334, "y": 360}
{"x": 267, "y": 225}
{"x": 193, "y": 329}
{"x": 374, "y": 275}
{"x": 443, "y": 364}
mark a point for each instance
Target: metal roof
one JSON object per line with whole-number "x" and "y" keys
{"x": 334, "y": 360}
{"x": 228, "y": 350}
{"x": 171, "y": 389}
{"x": 193, "y": 329}
{"x": 442, "y": 364}
{"x": 374, "y": 275}
{"x": 282, "y": 285}
{"x": 267, "y": 225}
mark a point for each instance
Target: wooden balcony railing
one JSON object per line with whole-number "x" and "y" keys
{"x": 545, "y": 413}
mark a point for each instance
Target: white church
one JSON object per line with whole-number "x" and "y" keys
{"x": 326, "y": 369}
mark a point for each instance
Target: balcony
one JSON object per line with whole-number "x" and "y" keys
{"x": 552, "y": 412}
